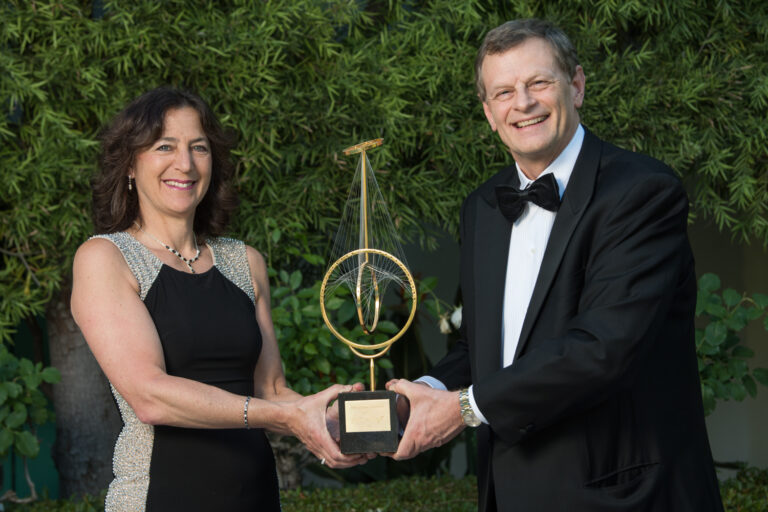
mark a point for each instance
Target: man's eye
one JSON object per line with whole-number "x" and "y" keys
{"x": 539, "y": 85}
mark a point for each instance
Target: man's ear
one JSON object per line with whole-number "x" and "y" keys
{"x": 488, "y": 116}
{"x": 578, "y": 84}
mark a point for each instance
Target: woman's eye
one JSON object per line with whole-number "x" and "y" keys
{"x": 164, "y": 147}
{"x": 200, "y": 149}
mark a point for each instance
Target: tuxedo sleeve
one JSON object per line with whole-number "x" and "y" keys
{"x": 638, "y": 264}
{"x": 453, "y": 370}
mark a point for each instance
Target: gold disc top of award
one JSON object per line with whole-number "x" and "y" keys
{"x": 357, "y": 148}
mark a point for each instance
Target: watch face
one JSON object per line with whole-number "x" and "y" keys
{"x": 471, "y": 420}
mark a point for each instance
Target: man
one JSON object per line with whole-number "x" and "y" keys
{"x": 577, "y": 342}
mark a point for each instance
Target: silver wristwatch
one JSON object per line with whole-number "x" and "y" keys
{"x": 467, "y": 414}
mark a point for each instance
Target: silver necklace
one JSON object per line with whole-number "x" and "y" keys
{"x": 188, "y": 261}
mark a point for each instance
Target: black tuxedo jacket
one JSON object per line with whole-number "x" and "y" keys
{"x": 601, "y": 409}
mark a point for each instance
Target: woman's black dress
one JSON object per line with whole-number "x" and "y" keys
{"x": 208, "y": 329}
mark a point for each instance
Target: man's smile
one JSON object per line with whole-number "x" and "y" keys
{"x": 529, "y": 122}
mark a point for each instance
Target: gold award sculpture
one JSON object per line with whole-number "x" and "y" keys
{"x": 368, "y": 259}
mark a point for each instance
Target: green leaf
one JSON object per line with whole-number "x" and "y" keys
{"x": 749, "y": 385}
{"x": 731, "y": 297}
{"x": 12, "y": 388}
{"x": 743, "y": 352}
{"x": 753, "y": 313}
{"x": 385, "y": 363}
{"x": 346, "y": 312}
{"x": 276, "y": 236}
{"x": 761, "y": 375}
{"x": 715, "y": 308}
{"x": 51, "y": 375}
{"x": 708, "y": 396}
{"x": 32, "y": 381}
{"x": 709, "y": 282}
{"x": 26, "y": 444}
{"x": 737, "y": 391}
{"x": 737, "y": 368}
{"x": 737, "y": 321}
{"x": 280, "y": 291}
{"x": 26, "y": 367}
{"x": 310, "y": 349}
{"x": 295, "y": 280}
{"x": 6, "y": 439}
{"x": 761, "y": 299}
{"x": 427, "y": 284}
{"x": 17, "y": 417}
{"x": 313, "y": 259}
{"x": 3, "y": 395}
{"x": 387, "y": 327}
{"x": 715, "y": 333}
{"x": 311, "y": 310}
{"x": 333, "y": 303}
{"x": 309, "y": 294}
{"x": 38, "y": 415}
{"x": 324, "y": 366}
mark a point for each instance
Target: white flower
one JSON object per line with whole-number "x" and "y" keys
{"x": 445, "y": 327}
{"x": 456, "y": 317}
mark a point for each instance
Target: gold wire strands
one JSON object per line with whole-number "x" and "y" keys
{"x": 368, "y": 259}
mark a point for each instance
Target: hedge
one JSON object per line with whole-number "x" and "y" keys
{"x": 746, "y": 492}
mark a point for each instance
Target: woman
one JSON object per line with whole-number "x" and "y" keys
{"x": 179, "y": 320}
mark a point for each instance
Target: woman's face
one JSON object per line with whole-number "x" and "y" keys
{"x": 173, "y": 174}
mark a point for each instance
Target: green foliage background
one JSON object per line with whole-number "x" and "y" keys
{"x": 684, "y": 81}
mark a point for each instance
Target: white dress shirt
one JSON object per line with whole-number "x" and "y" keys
{"x": 530, "y": 234}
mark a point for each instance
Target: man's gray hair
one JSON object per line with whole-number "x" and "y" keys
{"x": 515, "y": 32}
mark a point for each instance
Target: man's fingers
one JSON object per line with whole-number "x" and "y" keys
{"x": 399, "y": 386}
{"x": 331, "y": 393}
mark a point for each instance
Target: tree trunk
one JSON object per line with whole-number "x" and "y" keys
{"x": 87, "y": 420}
{"x": 291, "y": 457}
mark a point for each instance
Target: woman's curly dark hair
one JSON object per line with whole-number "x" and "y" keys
{"x": 133, "y": 130}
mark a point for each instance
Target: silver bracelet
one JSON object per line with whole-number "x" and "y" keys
{"x": 245, "y": 412}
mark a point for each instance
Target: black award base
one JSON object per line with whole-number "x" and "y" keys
{"x": 368, "y": 422}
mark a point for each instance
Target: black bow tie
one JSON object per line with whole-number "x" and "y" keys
{"x": 543, "y": 192}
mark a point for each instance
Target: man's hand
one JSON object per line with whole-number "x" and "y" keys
{"x": 435, "y": 417}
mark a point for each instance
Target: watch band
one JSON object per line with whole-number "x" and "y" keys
{"x": 467, "y": 413}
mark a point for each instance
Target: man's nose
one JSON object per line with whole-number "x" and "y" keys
{"x": 523, "y": 99}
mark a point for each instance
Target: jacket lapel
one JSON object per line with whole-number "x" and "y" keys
{"x": 492, "y": 233}
{"x": 577, "y": 195}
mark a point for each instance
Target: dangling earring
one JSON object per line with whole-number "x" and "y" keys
{"x": 130, "y": 183}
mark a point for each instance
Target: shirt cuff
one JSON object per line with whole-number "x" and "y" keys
{"x": 432, "y": 382}
{"x": 475, "y": 408}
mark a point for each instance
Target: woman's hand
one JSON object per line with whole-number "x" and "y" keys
{"x": 307, "y": 421}
{"x": 332, "y": 415}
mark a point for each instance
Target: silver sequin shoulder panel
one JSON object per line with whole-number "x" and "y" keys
{"x": 143, "y": 263}
{"x": 133, "y": 449}
{"x": 230, "y": 257}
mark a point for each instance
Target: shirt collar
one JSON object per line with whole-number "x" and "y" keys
{"x": 562, "y": 166}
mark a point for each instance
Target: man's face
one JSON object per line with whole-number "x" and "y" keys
{"x": 532, "y": 103}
